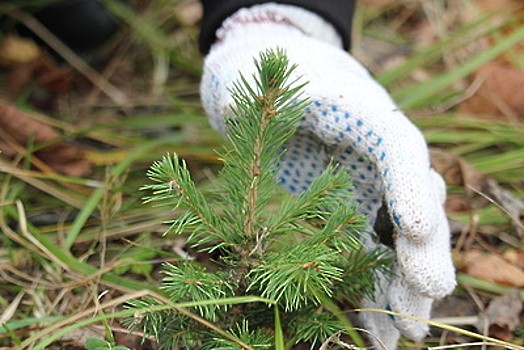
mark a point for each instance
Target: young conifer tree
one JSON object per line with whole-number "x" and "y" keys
{"x": 302, "y": 253}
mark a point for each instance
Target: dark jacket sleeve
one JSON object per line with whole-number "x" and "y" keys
{"x": 337, "y": 12}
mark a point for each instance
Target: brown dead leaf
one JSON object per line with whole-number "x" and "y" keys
{"x": 502, "y": 316}
{"x": 17, "y": 128}
{"x": 493, "y": 268}
{"x": 500, "y": 93}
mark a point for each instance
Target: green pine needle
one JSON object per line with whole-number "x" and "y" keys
{"x": 188, "y": 282}
{"x": 293, "y": 278}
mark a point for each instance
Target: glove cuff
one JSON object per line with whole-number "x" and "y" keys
{"x": 307, "y": 22}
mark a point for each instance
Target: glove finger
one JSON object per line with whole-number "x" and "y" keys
{"x": 396, "y": 295}
{"x": 403, "y": 300}
{"x": 380, "y": 325}
{"x": 427, "y": 266}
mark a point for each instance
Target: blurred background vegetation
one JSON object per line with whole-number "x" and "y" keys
{"x": 79, "y": 127}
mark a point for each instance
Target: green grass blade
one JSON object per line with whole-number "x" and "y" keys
{"x": 500, "y": 162}
{"x": 29, "y": 321}
{"x": 279, "y": 333}
{"x": 477, "y": 283}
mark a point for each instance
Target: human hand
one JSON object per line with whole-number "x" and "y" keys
{"x": 352, "y": 120}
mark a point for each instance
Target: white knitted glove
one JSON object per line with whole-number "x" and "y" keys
{"x": 352, "y": 119}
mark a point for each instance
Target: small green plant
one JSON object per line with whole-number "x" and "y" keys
{"x": 301, "y": 256}
{"x": 100, "y": 344}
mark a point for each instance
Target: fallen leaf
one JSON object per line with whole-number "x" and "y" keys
{"x": 500, "y": 92}
{"x": 493, "y": 268}
{"x": 502, "y": 316}
{"x": 18, "y": 128}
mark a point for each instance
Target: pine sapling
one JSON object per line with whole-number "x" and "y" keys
{"x": 295, "y": 254}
